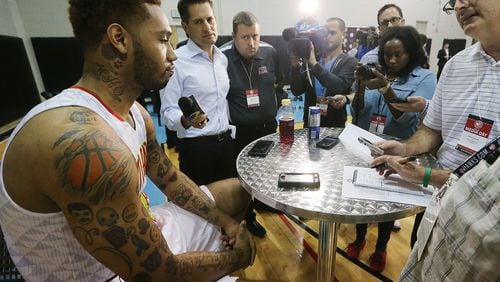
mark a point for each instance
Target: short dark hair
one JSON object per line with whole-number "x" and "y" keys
{"x": 388, "y": 6}
{"x": 91, "y": 18}
{"x": 183, "y": 7}
{"x": 339, "y": 20}
{"x": 245, "y": 17}
{"x": 408, "y": 35}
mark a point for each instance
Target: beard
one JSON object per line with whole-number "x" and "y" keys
{"x": 146, "y": 70}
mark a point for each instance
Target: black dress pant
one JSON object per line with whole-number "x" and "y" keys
{"x": 246, "y": 134}
{"x": 207, "y": 159}
{"x": 384, "y": 234}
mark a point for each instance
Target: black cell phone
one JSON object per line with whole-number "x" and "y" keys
{"x": 376, "y": 150}
{"x": 261, "y": 148}
{"x": 298, "y": 180}
{"x": 328, "y": 142}
{"x": 396, "y": 100}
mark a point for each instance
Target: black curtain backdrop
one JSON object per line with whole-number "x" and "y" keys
{"x": 17, "y": 85}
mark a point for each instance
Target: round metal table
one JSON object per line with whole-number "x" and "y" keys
{"x": 259, "y": 176}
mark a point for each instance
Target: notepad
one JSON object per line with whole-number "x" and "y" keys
{"x": 371, "y": 179}
{"x": 365, "y": 183}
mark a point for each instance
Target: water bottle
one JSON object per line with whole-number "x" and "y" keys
{"x": 286, "y": 121}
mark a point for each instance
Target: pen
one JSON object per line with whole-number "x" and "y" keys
{"x": 408, "y": 159}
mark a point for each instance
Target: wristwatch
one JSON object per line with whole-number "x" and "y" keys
{"x": 384, "y": 89}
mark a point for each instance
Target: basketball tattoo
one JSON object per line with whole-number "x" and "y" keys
{"x": 92, "y": 166}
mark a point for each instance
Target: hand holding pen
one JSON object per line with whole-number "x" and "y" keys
{"x": 382, "y": 166}
{"x": 404, "y": 166}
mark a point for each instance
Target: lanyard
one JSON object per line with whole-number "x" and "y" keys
{"x": 249, "y": 75}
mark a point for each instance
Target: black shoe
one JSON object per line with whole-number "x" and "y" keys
{"x": 256, "y": 229}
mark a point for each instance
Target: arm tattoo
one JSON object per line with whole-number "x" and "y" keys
{"x": 201, "y": 205}
{"x": 65, "y": 137}
{"x": 81, "y": 213}
{"x": 92, "y": 166}
{"x": 83, "y": 117}
{"x": 173, "y": 178}
{"x": 182, "y": 195}
{"x": 130, "y": 213}
{"x": 182, "y": 267}
{"x": 152, "y": 262}
{"x": 153, "y": 157}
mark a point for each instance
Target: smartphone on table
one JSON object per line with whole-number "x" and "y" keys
{"x": 298, "y": 180}
{"x": 328, "y": 142}
{"x": 261, "y": 148}
{"x": 373, "y": 148}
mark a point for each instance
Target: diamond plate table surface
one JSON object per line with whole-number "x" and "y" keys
{"x": 259, "y": 176}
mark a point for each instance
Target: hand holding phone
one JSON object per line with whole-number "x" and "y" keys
{"x": 396, "y": 100}
{"x": 373, "y": 148}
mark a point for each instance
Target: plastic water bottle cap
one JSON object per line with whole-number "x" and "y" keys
{"x": 286, "y": 102}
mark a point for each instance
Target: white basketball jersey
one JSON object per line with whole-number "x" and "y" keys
{"x": 42, "y": 245}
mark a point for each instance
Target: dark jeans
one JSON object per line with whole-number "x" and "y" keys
{"x": 206, "y": 159}
{"x": 384, "y": 234}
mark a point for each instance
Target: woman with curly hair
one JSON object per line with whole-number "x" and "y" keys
{"x": 400, "y": 75}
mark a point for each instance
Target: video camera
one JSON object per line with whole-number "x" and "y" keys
{"x": 300, "y": 41}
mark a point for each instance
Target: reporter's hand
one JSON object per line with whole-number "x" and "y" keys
{"x": 415, "y": 104}
{"x": 374, "y": 83}
{"x": 392, "y": 147}
{"x": 408, "y": 171}
{"x": 198, "y": 122}
{"x": 295, "y": 62}
{"x": 338, "y": 101}
{"x": 312, "y": 57}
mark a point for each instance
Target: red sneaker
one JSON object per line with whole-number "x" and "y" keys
{"x": 354, "y": 249}
{"x": 377, "y": 261}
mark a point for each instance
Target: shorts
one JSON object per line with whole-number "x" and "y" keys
{"x": 187, "y": 232}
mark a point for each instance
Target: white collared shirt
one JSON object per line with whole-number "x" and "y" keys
{"x": 195, "y": 74}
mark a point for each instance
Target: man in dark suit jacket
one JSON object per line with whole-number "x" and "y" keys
{"x": 443, "y": 56}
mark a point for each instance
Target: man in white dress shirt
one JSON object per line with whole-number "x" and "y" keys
{"x": 206, "y": 150}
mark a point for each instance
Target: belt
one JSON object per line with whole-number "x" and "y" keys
{"x": 259, "y": 126}
{"x": 209, "y": 138}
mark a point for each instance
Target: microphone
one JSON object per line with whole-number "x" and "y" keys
{"x": 190, "y": 107}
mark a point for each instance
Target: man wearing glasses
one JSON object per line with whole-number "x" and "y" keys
{"x": 389, "y": 15}
{"x": 460, "y": 239}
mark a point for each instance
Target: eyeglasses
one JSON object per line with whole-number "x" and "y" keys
{"x": 393, "y": 21}
{"x": 449, "y": 7}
